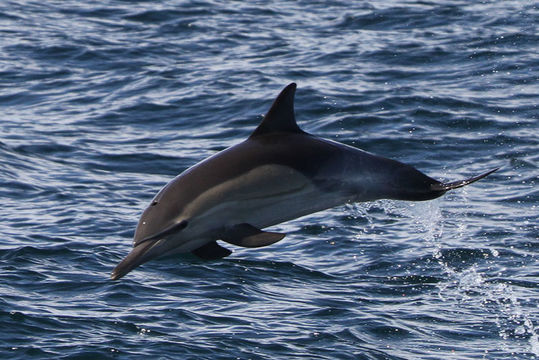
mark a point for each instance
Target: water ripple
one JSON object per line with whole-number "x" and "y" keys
{"x": 103, "y": 103}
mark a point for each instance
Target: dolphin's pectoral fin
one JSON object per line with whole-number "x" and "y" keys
{"x": 247, "y": 235}
{"x": 211, "y": 251}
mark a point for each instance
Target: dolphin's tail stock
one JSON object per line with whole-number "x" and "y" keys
{"x": 456, "y": 184}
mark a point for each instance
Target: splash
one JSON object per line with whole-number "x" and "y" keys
{"x": 474, "y": 290}
{"x": 471, "y": 288}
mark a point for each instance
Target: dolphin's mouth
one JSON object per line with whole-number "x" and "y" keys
{"x": 138, "y": 256}
{"x": 169, "y": 230}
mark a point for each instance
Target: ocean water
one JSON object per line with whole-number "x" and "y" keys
{"x": 103, "y": 102}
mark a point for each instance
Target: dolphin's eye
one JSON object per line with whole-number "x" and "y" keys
{"x": 153, "y": 203}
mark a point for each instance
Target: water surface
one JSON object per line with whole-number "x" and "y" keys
{"x": 102, "y": 103}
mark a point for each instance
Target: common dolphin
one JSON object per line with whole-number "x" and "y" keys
{"x": 278, "y": 174}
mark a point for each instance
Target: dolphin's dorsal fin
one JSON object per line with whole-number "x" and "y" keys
{"x": 280, "y": 117}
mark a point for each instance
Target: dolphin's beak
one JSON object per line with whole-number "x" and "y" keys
{"x": 146, "y": 249}
{"x": 138, "y": 256}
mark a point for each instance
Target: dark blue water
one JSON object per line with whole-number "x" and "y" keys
{"x": 102, "y": 103}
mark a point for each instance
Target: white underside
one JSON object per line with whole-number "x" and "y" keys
{"x": 266, "y": 196}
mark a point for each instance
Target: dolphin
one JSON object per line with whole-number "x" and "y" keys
{"x": 278, "y": 174}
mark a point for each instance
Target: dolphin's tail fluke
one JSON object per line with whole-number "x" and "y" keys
{"x": 456, "y": 184}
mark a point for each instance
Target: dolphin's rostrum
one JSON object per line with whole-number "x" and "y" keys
{"x": 279, "y": 173}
